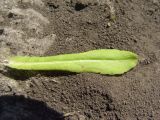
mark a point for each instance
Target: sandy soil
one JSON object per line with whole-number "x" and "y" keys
{"x": 51, "y": 27}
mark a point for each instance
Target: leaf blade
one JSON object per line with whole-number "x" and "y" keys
{"x": 97, "y": 61}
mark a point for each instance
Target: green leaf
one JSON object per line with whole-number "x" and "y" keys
{"x": 103, "y": 61}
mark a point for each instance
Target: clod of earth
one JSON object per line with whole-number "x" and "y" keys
{"x": 103, "y": 61}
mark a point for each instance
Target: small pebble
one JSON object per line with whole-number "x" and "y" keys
{"x": 109, "y": 24}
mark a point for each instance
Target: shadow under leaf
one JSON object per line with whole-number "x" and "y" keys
{"x": 25, "y": 74}
{"x": 21, "y": 108}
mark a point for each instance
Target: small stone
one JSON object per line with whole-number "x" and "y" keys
{"x": 109, "y": 24}
{"x": 7, "y": 89}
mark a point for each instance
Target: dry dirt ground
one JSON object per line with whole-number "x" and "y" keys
{"x": 51, "y": 27}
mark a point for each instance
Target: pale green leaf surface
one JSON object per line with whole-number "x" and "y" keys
{"x": 103, "y": 61}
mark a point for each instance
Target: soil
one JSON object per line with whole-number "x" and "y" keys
{"x": 51, "y": 27}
